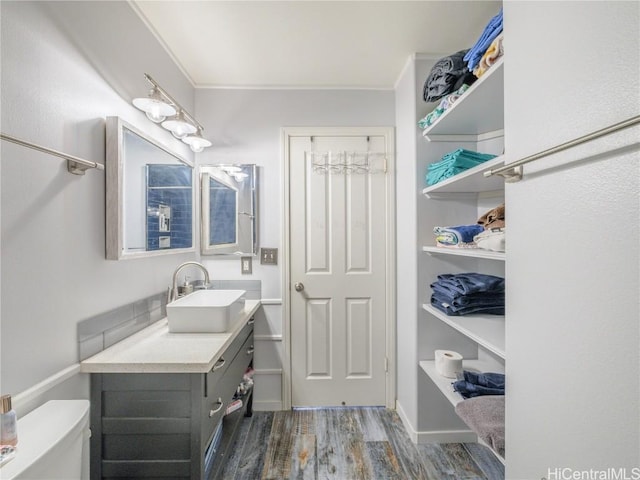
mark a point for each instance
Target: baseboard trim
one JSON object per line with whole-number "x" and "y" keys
{"x": 267, "y": 406}
{"x": 438, "y": 436}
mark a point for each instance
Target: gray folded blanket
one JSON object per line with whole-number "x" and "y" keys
{"x": 485, "y": 416}
{"x": 444, "y": 76}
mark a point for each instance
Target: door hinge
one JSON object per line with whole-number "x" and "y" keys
{"x": 386, "y": 364}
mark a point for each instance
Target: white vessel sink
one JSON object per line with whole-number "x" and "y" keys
{"x": 205, "y": 311}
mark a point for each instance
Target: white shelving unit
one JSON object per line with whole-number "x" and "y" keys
{"x": 485, "y": 330}
{"x": 446, "y": 384}
{"x": 475, "y": 122}
{"x": 483, "y": 100}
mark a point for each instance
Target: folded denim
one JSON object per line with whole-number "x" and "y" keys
{"x": 484, "y": 379}
{"x": 470, "y": 390}
{"x": 474, "y": 384}
{"x": 467, "y": 310}
{"x": 471, "y": 282}
{"x": 474, "y": 300}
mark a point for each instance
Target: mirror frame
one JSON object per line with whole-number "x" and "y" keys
{"x": 115, "y": 208}
{"x": 230, "y": 250}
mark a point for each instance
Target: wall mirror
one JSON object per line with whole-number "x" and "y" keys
{"x": 150, "y": 196}
{"x": 229, "y": 209}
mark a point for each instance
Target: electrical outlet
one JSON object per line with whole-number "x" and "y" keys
{"x": 269, "y": 256}
{"x": 245, "y": 265}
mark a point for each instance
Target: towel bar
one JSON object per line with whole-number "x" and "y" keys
{"x": 513, "y": 171}
{"x": 75, "y": 165}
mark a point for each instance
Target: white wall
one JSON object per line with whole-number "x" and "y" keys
{"x": 573, "y": 337}
{"x": 245, "y": 127}
{"x": 65, "y": 67}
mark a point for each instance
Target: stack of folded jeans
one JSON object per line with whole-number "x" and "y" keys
{"x": 472, "y": 384}
{"x": 468, "y": 293}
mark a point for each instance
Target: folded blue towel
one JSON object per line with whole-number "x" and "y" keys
{"x": 491, "y": 31}
{"x": 453, "y": 163}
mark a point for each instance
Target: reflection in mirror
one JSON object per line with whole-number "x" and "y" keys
{"x": 150, "y": 196}
{"x": 229, "y": 209}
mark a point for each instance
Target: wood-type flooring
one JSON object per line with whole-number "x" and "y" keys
{"x": 349, "y": 444}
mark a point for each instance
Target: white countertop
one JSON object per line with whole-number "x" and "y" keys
{"x": 155, "y": 350}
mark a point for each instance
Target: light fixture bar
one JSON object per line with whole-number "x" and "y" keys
{"x": 179, "y": 107}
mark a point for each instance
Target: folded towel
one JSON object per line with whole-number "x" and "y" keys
{"x": 485, "y": 416}
{"x": 494, "y": 218}
{"x": 457, "y": 235}
{"x": 442, "y": 107}
{"x": 444, "y": 75}
{"x": 490, "y": 57}
{"x": 491, "y": 31}
{"x": 453, "y": 163}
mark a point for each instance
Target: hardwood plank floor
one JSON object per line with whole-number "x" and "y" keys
{"x": 349, "y": 444}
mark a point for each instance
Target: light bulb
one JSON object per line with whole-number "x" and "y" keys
{"x": 156, "y": 107}
{"x": 179, "y": 126}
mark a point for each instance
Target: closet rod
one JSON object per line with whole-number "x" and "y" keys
{"x": 513, "y": 171}
{"x": 75, "y": 165}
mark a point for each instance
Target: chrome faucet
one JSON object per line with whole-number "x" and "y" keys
{"x": 173, "y": 293}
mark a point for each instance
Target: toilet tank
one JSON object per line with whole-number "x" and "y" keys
{"x": 51, "y": 442}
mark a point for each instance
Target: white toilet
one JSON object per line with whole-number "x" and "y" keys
{"x": 52, "y": 443}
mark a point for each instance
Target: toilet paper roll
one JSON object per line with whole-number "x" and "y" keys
{"x": 448, "y": 363}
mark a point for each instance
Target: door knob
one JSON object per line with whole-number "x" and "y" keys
{"x": 299, "y": 286}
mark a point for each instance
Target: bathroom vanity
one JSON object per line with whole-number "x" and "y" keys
{"x": 158, "y": 401}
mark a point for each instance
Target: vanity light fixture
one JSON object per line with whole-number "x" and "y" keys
{"x": 156, "y": 107}
{"x": 196, "y": 141}
{"x": 160, "y": 107}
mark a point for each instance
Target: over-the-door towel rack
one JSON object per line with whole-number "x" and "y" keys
{"x": 75, "y": 165}
{"x": 513, "y": 171}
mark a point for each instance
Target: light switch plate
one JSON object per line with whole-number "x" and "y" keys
{"x": 245, "y": 265}
{"x": 269, "y": 256}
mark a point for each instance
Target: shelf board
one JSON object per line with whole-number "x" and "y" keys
{"x": 479, "y": 110}
{"x": 466, "y": 252}
{"x": 486, "y": 330}
{"x": 444, "y": 384}
{"x": 470, "y": 181}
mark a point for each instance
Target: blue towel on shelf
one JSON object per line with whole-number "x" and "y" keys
{"x": 453, "y": 163}
{"x": 491, "y": 31}
{"x": 473, "y": 300}
{"x": 457, "y": 235}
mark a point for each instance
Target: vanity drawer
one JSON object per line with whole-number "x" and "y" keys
{"x": 223, "y": 391}
{"x": 226, "y": 358}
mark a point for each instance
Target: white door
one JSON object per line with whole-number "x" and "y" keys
{"x": 338, "y": 262}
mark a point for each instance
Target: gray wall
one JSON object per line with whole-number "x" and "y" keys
{"x": 66, "y": 66}
{"x": 245, "y": 127}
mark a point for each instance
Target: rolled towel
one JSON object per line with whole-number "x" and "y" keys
{"x": 457, "y": 235}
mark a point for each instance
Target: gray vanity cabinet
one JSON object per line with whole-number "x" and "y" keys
{"x": 168, "y": 425}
